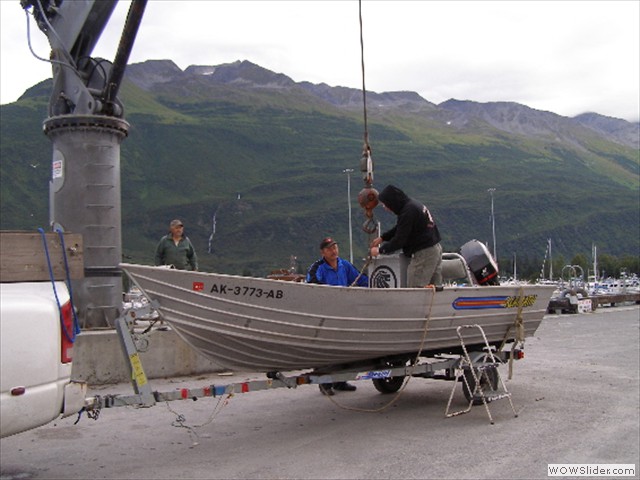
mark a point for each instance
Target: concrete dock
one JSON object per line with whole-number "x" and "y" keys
{"x": 98, "y": 358}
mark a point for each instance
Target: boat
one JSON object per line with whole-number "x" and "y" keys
{"x": 266, "y": 325}
{"x": 617, "y": 286}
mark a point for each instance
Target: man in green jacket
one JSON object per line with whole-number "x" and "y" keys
{"x": 176, "y": 249}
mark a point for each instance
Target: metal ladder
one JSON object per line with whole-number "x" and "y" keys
{"x": 482, "y": 370}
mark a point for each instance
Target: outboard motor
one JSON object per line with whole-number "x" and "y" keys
{"x": 480, "y": 262}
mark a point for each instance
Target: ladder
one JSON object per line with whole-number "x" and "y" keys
{"x": 481, "y": 379}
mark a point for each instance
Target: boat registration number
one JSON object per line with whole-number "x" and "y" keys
{"x": 223, "y": 289}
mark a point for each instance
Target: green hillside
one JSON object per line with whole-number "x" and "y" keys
{"x": 271, "y": 166}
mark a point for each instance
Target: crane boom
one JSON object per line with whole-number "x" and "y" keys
{"x": 86, "y": 126}
{"x": 81, "y": 84}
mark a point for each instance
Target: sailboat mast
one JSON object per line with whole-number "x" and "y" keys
{"x": 550, "y": 262}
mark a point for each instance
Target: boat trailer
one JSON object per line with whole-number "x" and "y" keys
{"x": 477, "y": 370}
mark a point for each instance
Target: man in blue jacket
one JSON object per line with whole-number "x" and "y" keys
{"x": 333, "y": 270}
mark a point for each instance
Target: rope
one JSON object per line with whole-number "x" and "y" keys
{"x": 76, "y": 323}
{"x": 409, "y": 372}
{"x": 70, "y": 337}
{"x": 366, "y": 264}
{"x": 519, "y": 333}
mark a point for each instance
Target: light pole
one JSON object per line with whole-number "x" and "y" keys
{"x": 349, "y": 171}
{"x": 493, "y": 224}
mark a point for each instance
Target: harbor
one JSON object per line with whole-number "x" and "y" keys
{"x": 576, "y": 393}
{"x": 567, "y": 304}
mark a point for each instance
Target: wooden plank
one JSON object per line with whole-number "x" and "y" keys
{"x": 23, "y": 257}
{"x": 615, "y": 298}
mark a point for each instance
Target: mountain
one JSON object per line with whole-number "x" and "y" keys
{"x": 614, "y": 129}
{"x": 266, "y": 155}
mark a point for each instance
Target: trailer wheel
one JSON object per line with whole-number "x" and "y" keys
{"x": 488, "y": 382}
{"x": 390, "y": 384}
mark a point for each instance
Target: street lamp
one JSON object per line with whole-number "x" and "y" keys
{"x": 493, "y": 223}
{"x": 349, "y": 171}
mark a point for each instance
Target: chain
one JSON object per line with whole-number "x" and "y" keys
{"x": 180, "y": 420}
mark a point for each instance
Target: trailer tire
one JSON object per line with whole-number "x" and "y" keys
{"x": 488, "y": 382}
{"x": 388, "y": 385}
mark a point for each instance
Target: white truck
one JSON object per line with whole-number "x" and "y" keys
{"x": 36, "y": 364}
{"x": 37, "y": 330}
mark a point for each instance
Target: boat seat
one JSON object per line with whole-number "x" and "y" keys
{"x": 455, "y": 269}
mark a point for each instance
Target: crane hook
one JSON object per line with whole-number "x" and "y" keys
{"x": 368, "y": 196}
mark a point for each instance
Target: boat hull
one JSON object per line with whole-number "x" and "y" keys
{"x": 264, "y": 325}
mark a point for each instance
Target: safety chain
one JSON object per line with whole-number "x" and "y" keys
{"x": 180, "y": 420}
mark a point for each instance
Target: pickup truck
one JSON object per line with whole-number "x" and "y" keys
{"x": 37, "y": 334}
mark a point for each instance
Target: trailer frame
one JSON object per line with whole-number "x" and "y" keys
{"x": 385, "y": 373}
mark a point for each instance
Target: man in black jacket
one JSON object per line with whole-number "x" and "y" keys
{"x": 416, "y": 233}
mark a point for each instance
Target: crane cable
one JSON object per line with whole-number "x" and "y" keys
{"x": 368, "y": 196}
{"x": 367, "y": 147}
{"x": 70, "y": 63}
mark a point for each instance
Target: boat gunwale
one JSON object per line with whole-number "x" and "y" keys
{"x": 484, "y": 314}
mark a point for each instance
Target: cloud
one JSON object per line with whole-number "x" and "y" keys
{"x": 562, "y": 56}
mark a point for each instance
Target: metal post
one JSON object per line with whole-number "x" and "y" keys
{"x": 493, "y": 224}
{"x": 349, "y": 171}
{"x": 550, "y": 262}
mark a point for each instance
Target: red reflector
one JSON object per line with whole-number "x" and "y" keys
{"x": 184, "y": 393}
{"x": 67, "y": 335}
{"x": 16, "y": 391}
{"x": 198, "y": 286}
{"x": 245, "y": 387}
{"x": 520, "y": 355}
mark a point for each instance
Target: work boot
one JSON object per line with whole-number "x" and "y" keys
{"x": 327, "y": 389}
{"x": 344, "y": 386}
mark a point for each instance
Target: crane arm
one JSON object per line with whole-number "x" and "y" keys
{"x": 81, "y": 84}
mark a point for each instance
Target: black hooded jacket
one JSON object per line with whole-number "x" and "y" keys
{"x": 415, "y": 228}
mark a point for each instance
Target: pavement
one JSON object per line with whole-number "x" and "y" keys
{"x": 577, "y": 393}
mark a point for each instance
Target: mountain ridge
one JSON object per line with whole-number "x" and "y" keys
{"x": 268, "y": 155}
{"x": 501, "y": 115}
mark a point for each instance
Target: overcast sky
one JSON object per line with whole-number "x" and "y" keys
{"x": 567, "y": 57}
